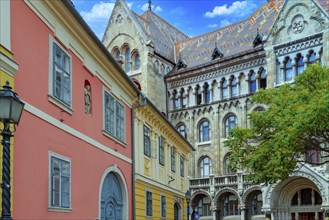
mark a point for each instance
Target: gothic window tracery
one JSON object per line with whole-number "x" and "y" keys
{"x": 224, "y": 89}
{"x": 234, "y": 90}
{"x": 252, "y": 82}
{"x": 263, "y": 80}
{"x": 300, "y": 64}
{"x": 287, "y": 69}
{"x": 127, "y": 59}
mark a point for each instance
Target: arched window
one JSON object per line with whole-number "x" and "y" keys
{"x": 230, "y": 122}
{"x": 206, "y": 93}
{"x": 263, "y": 81}
{"x": 234, "y": 90}
{"x": 198, "y": 95}
{"x": 287, "y": 69}
{"x": 311, "y": 57}
{"x": 224, "y": 89}
{"x": 183, "y": 98}
{"x": 127, "y": 60}
{"x": 163, "y": 69}
{"x": 181, "y": 128}
{"x": 205, "y": 167}
{"x": 300, "y": 64}
{"x": 252, "y": 82}
{"x": 137, "y": 62}
{"x": 228, "y": 170}
{"x": 204, "y": 131}
{"x": 175, "y": 99}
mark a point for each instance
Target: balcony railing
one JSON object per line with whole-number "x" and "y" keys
{"x": 214, "y": 183}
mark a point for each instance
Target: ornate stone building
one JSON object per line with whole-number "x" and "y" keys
{"x": 209, "y": 80}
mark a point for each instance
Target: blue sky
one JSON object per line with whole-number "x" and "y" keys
{"x": 193, "y": 17}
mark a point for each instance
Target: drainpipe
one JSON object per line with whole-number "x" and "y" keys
{"x": 141, "y": 103}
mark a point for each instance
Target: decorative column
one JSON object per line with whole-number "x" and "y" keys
{"x": 213, "y": 209}
{"x": 243, "y": 212}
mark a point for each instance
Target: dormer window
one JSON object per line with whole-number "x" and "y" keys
{"x": 258, "y": 39}
{"x": 181, "y": 63}
{"x": 216, "y": 53}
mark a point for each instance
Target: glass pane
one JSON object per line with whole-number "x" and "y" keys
{"x": 137, "y": 62}
{"x": 225, "y": 92}
{"x": 4, "y": 112}
{"x": 17, "y": 108}
{"x": 65, "y": 169}
{"x": 65, "y": 192}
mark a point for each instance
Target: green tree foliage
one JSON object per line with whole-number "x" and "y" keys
{"x": 296, "y": 122}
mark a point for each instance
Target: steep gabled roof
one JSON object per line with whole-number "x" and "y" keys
{"x": 162, "y": 34}
{"x": 232, "y": 39}
{"x": 324, "y": 4}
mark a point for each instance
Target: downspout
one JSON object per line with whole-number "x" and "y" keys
{"x": 141, "y": 103}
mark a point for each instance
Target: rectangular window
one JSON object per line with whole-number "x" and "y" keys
{"x": 61, "y": 75}
{"x": 181, "y": 166}
{"x": 114, "y": 117}
{"x": 161, "y": 151}
{"x": 163, "y": 206}
{"x": 149, "y": 208}
{"x": 147, "y": 142}
{"x": 173, "y": 162}
{"x": 60, "y": 174}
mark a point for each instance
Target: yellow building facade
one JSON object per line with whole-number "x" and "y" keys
{"x": 161, "y": 159}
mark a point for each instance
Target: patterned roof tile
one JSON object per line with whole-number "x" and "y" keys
{"x": 232, "y": 39}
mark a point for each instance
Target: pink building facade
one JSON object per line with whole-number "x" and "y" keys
{"x": 72, "y": 149}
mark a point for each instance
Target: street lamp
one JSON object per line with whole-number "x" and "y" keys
{"x": 11, "y": 108}
{"x": 188, "y": 197}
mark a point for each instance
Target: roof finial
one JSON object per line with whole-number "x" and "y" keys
{"x": 150, "y": 8}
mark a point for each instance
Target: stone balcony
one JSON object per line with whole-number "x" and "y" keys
{"x": 213, "y": 183}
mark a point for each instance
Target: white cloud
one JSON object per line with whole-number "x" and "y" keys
{"x": 212, "y": 25}
{"x": 145, "y": 7}
{"x": 238, "y": 8}
{"x": 158, "y": 9}
{"x": 224, "y": 23}
{"x": 100, "y": 10}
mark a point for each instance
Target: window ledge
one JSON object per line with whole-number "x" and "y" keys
{"x": 203, "y": 143}
{"x": 59, "y": 209}
{"x": 109, "y": 135}
{"x": 60, "y": 104}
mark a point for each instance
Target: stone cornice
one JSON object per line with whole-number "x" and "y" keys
{"x": 300, "y": 44}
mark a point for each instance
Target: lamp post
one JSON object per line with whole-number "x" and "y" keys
{"x": 11, "y": 108}
{"x": 188, "y": 197}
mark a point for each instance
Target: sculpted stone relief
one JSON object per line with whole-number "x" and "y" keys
{"x": 298, "y": 24}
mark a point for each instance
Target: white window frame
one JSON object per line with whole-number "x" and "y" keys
{"x": 68, "y": 160}
{"x": 116, "y": 105}
{"x": 51, "y": 96}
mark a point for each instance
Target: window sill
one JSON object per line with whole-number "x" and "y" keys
{"x": 107, "y": 134}
{"x": 60, "y": 104}
{"x": 203, "y": 143}
{"x": 59, "y": 209}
